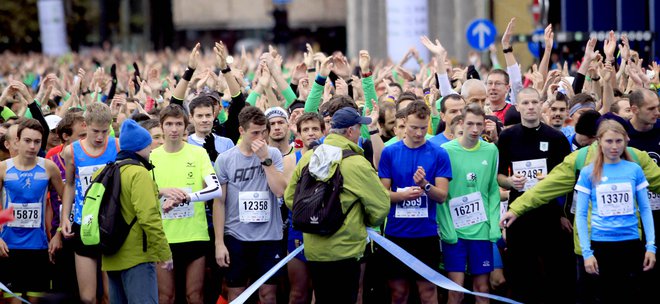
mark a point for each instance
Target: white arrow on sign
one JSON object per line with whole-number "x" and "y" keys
{"x": 482, "y": 30}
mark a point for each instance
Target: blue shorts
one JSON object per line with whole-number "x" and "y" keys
{"x": 476, "y": 255}
{"x": 251, "y": 260}
{"x": 295, "y": 239}
{"x": 497, "y": 258}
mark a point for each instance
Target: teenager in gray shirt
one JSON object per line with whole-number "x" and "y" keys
{"x": 247, "y": 218}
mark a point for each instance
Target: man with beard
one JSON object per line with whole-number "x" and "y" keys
{"x": 556, "y": 112}
{"x": 278, "y": 137}
{"x": 387, "y": 120}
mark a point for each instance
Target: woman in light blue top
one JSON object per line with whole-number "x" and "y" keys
{"x": 611, "y": 194}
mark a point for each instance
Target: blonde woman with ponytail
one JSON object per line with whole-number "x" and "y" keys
{"x": 611, "y": 192}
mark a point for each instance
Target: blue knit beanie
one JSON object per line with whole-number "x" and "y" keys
{"x": 132, "y": 137}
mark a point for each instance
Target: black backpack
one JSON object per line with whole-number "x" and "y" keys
{"x": 316, "y": 204}
{"x": 103, "y": 224}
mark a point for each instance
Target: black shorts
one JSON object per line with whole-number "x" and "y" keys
{"x": 425, "y": 249}
{"x": 93, "y": 251}
{"x": 25, "y": 271}
{"x": 185, "y": 253}
{"x": 251, "y": 260}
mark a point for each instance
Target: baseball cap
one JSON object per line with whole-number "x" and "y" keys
{"x": 348, "y": 117}
{"x": 52, "y": 121}
{"x": 276, "y": 112}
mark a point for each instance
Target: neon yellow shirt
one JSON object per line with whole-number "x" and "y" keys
{"x": 185, "y": 170}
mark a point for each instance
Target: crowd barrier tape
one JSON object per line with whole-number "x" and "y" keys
{"x": 6, "y": 290}
{"x": 403, "y": 256}
{"x": 426, "y": 271}
{"x": 248, "y": 292}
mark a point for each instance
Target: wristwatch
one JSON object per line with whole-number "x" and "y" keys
{"x": 427, "y": 187}
{"x": 267, "y": 162}
{"x": 507, "y": 50}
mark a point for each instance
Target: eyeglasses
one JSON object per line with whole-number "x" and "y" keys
{"x": 496, "y": 83}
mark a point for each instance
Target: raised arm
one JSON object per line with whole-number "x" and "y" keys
{"x": 608, "y": 91}
{"x": 180, "y": 90}
{"x": 512, "y": 66}
{"x": 548, "y": 37}
{"x": 440, "y": 55}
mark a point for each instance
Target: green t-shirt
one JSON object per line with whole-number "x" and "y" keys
{"x": 185, "y": 170}
{"x": 474, "y": 179}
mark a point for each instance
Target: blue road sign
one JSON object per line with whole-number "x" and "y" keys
{"x": 481, "y": 34}
{"x": 534, "y": 45}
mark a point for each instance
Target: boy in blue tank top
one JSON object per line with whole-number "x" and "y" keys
{"x": 310, "y": 128}
{"x": 24, "y": 247}
{"x": 82, "y": 159}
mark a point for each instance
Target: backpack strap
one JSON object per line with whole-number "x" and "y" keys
{"x": 128, "y": 161}
{"x": 121, "y": 163}
{"x": 633, "y": 154}
{"x": 347, "y": 153}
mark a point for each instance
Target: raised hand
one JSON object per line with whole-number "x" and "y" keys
{"x": 299, "y": 72}
{"x": 609, "y": 46}
{"x": 326, "y": 66}
{"x": 625, "y": 47}
{"x": 364, "y": 61}
{"x": 506, "y": 37}
{"x": 436, "y": 48}
{"x": 548, "y": 37}
{"x": 193, "y": 59}
{"x": 220, "y": 55}
{"x": 405, "y": 74}
{"x": 308, "y": 56}
{"x": 342, "y": 68}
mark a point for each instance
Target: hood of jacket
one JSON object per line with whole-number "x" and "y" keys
{"x": 327, "y": 156}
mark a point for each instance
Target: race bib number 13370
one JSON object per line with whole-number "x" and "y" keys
{"x": 614, "y": 199}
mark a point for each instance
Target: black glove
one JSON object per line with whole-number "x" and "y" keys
{"x": 209, "y": 146}
{"x": 136, "y": 74}
{"x": 113, "y": 71}
{"x": 472, "y": 73}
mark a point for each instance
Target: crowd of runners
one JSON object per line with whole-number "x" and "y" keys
{"x": 538, "y": 184}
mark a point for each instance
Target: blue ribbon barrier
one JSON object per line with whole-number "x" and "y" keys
{"x": 426, "y": 271}
{"x": 255, "y": 286}
{"x": 403, "y": 256}
{"x": 6, "y": 290}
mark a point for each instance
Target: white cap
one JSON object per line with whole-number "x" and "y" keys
{"x": 276, "y": 112}
{"x": 52, "y": 121}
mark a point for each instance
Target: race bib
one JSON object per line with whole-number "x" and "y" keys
{"x": 467, "y": 210}
{"x": 85, "y": 175}
{"x": 26, "y": 215}
{"x": 530, "y": 169}
{"x": 180, "y": 210}
{"x": 654, "y": 200}
{"x": 254, "y": 206}
{"x": 417, "y": 208}
{"x": 614, "y": 199}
